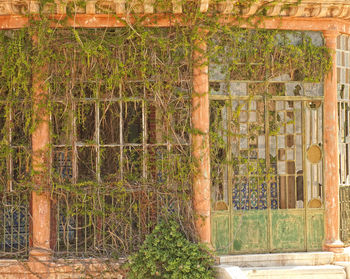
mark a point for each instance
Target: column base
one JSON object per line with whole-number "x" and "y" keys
{"x": 335, "y": 246}
{"x": 37, "y": 254}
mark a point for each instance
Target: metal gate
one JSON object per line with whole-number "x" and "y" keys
{"x": 267, "y": 172}
{"x": 343, "y": 68}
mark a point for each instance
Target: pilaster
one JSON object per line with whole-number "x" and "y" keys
{"x": 200, "y": 140}
{"x": 331, "y": 153}
{"x": 41, "y": 196}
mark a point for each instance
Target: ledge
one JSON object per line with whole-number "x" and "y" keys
{"x": 69, "y": 268}
{"x": 287, "y": 8}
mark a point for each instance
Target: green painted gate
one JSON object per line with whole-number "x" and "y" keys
{"x": 262, "y": 231}
{"x": 267, "y": 174}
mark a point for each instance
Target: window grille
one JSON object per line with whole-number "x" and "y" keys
{"x": 343, "y": 79}
{"x": 343, "y": 74}
{"x": 267, "y": 135}
{"x": 122, "y": 145}
{"x": 262, "y": 156}
{"x": 266, "y": 147}
{"x": 14, "y": 183}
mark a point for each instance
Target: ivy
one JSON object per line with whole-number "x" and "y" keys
{"x": 262, "y": 55}
{"x": 126, "y": 71}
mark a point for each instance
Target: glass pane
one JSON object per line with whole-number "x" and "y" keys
{"x": 61, "y": 124}
{"x": 86, "y": 164}
{"x": 62, "y": 163}
{"x": 132, "y": 164}
{"x": 110, "y": 164}
{"x": 85, "y": 122}
{"x": 109, "y": 122}
{"x": 20, "y": 127}
{"x": 132, "y": 122}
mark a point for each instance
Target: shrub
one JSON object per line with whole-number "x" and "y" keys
{"x": 166, "y": 253}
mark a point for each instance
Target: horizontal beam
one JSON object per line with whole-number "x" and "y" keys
{"x": 167, "y": 20}
{"x": 300, "y": 24}
{"x": 307, "y": 24}
{"x": 95, "y": 21}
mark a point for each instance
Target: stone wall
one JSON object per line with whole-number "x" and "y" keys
{"x": 61, "y": 269}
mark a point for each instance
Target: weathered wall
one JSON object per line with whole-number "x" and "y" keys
{"x": 62, "y": 269}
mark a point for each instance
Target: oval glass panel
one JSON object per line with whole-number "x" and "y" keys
{"x": 314, "y": 154}
{"x": 315, "y": 203}
{"x": 314, "y": 104}
{"x": 220, "y": 206}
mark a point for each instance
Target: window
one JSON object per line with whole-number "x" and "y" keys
{"x": 343, "y": 71}
{"x": 116, "y": 148}
{"x": 15, "y": 166}
{"x": 120, "y": 141}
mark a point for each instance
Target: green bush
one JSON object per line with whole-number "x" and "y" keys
{"x": 166, "y": 253}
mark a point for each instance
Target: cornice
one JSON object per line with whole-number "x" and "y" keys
{"x": 286, "y": 8}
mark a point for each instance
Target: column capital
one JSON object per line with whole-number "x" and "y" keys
{"x": 329, "y": 34}
{"x": 330, "y": 37}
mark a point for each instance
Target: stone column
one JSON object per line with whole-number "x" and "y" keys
{"x": 331, "y": 168}
{"x": 200, "y": 140}
{"x": 40, "y": 198}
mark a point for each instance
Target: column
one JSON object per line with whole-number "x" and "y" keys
{"x": 331, "y": 168}
{"x": 40, "y": 197}
{"x": 200, "y": 140}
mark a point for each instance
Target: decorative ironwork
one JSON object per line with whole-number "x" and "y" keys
{"x": 343, "y": 70}
{"x": 112, "y": 141}
{"x": 14, "y": 174}
{"x": 344, "y": 193}
{"x": 267, "y": 165}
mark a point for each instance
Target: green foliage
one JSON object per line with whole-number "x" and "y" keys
{"x": 15, "y": 69}
{"x": 166, "y": 253}
{"x": 261, "y": 55}
{"x": 120, "y": 185}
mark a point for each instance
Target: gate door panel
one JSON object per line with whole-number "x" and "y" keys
{"x": 220, "y": 226}
{"x": 288, "y": 230}
{"x": 267, "y": 173}
{"x": 251, "y": 231}
{"x": 315, "y": 234}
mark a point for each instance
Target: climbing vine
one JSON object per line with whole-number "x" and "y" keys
{"x": 120, "y": 104}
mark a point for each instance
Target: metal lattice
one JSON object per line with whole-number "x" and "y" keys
{"x": 343, "y": 69}
{"x": 15, "y": 169}
{"x": 267, "y": 162}
{"x": 343, "y": 75}
{"x": 344, "y": 193}
{"x": 114, "y": 140}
